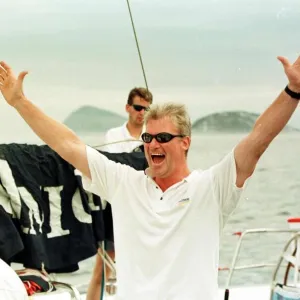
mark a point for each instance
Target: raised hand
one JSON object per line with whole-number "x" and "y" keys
{"x": 10, "y": 86}
{"x": 292, "y": 72}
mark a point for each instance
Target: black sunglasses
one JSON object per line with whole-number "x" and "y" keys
{"x": 162, "y": 137}
{"x": 140, "y": 107}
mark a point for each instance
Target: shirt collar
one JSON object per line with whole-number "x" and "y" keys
{"x": 128, "y": 133}
{"x": 186, "y": 179}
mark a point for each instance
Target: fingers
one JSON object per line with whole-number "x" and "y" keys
{"x": 298, "y": 60}
{"x": 6, "y": 73}
{"x": 285, "y": 62}
{"x": 4, "y": 66}
{"x": 3, "y": 73}
{"x": 2, "y": 79}
{"x": 22, "y": 76}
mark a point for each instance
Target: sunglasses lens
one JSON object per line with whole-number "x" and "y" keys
{"x": 138, "y": 107}
{"x": 164, "y": 137}
{"x": 147, "y": 137}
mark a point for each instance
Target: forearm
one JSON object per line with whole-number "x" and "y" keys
{"x": 95, "y": 285}
{"x": 56, "y": 135}
{"x": 94, "y": 290}
{"x": 266, "y": 128}
{"x": 273, "y": 120}
{"x": 269, "y": 124}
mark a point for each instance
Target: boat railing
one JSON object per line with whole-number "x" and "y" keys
{"x": 72, "y": 289}
{"x": 293, "y": 260}
{"x": 242, "y": 235}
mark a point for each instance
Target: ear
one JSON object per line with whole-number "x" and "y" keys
{"x": 186, "y": 142}
{"x": 127, "y": 107}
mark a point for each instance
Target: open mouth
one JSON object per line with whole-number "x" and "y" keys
{"x": 157, "y": 158}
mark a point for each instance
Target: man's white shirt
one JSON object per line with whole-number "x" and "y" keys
{"x": 120, "y": 140}
{"x": 167, "y": 243}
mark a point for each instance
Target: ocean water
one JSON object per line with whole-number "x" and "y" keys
{"x": 272, "y": 196}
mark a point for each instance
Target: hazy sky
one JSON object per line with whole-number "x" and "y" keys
{"x": 210, "y": 54}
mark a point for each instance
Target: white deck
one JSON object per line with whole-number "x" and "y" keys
{"x": 247, "y": 293}
{"x": 239, "y": 293}
{"x": 255, "y": 292}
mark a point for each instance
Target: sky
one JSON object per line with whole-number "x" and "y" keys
{"x": 212, "y": 55}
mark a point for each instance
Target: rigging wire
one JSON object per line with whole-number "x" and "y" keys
{"x": 137, "y": 43}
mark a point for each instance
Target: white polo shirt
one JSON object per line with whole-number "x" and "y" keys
{"x": 11, "y": 286}
{"x": 167, "y": 243}
{"x": 120, "y": 135}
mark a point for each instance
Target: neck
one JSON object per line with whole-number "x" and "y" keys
{"x": 165, "y": 183}
{"x": 134, "y": 130}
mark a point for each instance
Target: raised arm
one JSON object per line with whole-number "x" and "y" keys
{"x": 268, "y": 125}
{"x": 59, "y": 137}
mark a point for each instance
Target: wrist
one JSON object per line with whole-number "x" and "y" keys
{"x": 293, "y": 91}
{"x": 294, "y": 88}
{"x": 19, "y": 103}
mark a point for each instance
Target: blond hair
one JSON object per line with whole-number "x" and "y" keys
{"x": 177, "y": 114}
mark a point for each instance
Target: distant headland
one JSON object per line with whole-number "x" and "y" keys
{"x": 89, "y": 119}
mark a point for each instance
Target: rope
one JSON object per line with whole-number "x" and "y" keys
{"x": 117, "y": 142}
{"x": 107, "y": 260}
{"x": 137, "y": 44}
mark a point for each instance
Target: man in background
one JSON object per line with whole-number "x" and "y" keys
{"x": 139, "y": 100}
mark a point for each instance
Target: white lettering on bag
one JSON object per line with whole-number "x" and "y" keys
{"x": 9, "y": 183}
{"x": 5, "y": 201}
{"x": 12, "y": 196}
{"x": 55, "y": 212}
{"x": 33, "y": 211}
{"x": 78, "y": 209}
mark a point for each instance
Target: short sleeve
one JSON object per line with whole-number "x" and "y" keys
{"x": 106, "y": 175}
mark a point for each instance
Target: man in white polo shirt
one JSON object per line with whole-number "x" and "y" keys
{"x": 161, "y": 219}
{"x": 166, "y": 222}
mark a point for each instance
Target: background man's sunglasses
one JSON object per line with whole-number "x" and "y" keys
{"x": 140, "y": 107}
{"x": 162, "y": 137}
